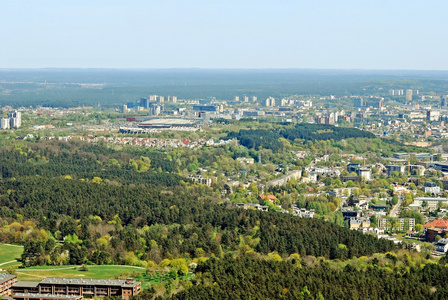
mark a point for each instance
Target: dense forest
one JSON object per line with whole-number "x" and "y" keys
{"x": 81, "y": 160}
{"x": 269, "y": 139}
{"x": 191, "y": 219}
{"x": 247, "y": 278}
{"x": 89, "y": 203}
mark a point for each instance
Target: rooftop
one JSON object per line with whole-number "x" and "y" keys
{"x": 169, "y": 121}
{"x": 24, "y": 283}
{"x": 5, "y": 277}
{"x": 270, "y": 197}
{"x": 83, "y": 281}
{"x": 437, "y": 224}
{"x": 44, "y": 296}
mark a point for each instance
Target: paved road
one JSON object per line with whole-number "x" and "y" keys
{"x": 396, "y": 209}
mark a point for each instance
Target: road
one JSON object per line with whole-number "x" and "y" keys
{"x": 396, "y": 209}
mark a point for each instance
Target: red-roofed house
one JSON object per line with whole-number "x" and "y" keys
{"x": 271, "y": 198}
{"x": 435, "y": 228}
{"x": 441, "y": 224}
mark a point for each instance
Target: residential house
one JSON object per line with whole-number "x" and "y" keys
{"x": 270, "y": 198}
{"x": 253, "y": 206}
{"x": 303, "y": 213}
{"x": 442, "y": 245}
{"x": 435, "y": 228}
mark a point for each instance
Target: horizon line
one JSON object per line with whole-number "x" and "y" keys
{"x": 223, "y": 69}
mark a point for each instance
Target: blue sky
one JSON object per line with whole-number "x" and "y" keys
{"x": 361, "y": 34}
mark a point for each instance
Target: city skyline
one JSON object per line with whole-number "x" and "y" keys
{"x": 403, "y": 35}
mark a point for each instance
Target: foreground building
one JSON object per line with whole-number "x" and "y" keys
{"x": 78, "y": 287}
{"x": 6, "y": 281}
{"x": 28, "y": 296}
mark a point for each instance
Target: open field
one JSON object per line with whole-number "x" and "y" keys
{"x": 9, "y": 253}
{"x": 95, "y": 272}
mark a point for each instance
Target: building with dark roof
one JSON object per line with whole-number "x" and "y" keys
{"x": 80, "y": 287}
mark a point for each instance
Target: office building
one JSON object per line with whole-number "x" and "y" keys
{"x": 144, "y": 102}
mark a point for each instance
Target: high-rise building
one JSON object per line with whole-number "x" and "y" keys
{"x": 359, "y": 102}
{"x": 270, "y": 101}
{"x": 4, "y": 123}
{"x": 155, "y": 110}
{"x": 254, "y": 98}
{"x": 246, "y": 99}
{"x": 408, "y": 95}
{"x": 15, "y": 119}
{"x": 444, "y": 101}
{"x": 144, "y": 102}
{"x": 172, "y": 99}
{"x": 236, "y": 98}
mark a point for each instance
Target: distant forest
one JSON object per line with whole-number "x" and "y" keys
{"x": 63, "y": 87}
{"x": 269, "y": 139}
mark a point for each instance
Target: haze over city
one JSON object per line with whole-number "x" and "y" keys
{"x": 225, "y": 34}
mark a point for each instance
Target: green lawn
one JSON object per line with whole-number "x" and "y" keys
{"x": 9, "y": 253}
{"x": 95, "y": 272}
{"x": 380, "y": 202}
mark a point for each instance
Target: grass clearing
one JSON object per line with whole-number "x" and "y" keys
{"x": 94, "y": 272}
{"x": 9, "y": 253}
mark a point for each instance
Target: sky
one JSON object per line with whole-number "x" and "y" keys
{"x": 243, "y": 34}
